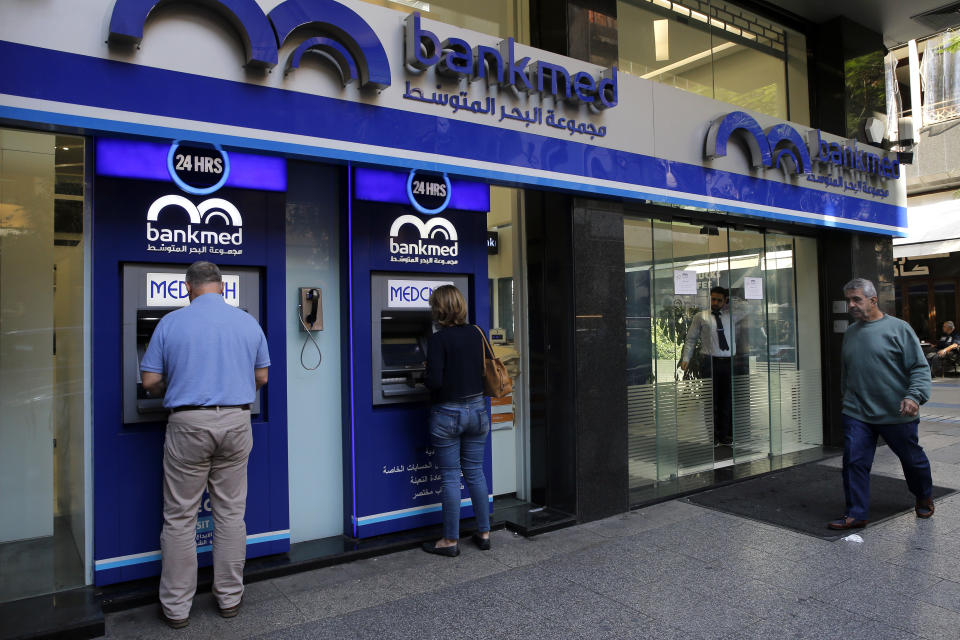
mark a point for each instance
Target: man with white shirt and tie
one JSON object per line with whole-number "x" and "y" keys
{"x": 714, "y": 328}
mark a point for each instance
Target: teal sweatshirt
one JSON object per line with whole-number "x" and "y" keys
{"x": 882, "y": 363}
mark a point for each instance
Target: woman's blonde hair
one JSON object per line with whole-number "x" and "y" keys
{"x": 447, "y": 306}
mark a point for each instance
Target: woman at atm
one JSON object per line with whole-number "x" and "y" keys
{"x": 459, "y": 422}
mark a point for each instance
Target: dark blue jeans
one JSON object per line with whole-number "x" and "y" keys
{"x": 458, "y": 433}
{"x": 859, "y": 446}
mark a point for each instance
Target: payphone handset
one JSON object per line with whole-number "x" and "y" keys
{"x": 150, "y": 291}
{"x": 401, "y": 325}
{"x": 310, "y": 312}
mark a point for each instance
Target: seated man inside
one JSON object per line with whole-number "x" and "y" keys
{"x": 947, "y": 351}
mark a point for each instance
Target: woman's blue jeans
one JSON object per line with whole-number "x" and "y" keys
{"x": 458, "y": 433}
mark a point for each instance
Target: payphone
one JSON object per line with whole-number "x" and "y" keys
{"x": 151, "y": 291}
{"x": 401, "y": 324}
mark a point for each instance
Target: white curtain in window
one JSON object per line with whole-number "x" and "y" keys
{"x": 894, "y": 101}
{"x": 940, "y": 75}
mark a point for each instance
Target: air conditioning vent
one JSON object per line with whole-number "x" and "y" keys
{"x": 940, "y": 19}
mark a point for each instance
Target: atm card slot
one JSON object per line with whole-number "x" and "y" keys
{"x": 405, "y": 390}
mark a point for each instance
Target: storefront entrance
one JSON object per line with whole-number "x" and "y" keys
{"x": 773, "y": 396}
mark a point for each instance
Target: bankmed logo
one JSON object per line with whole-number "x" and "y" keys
{"x": 434, "y": 240}
{"x": 782, "y": 146}
{"x": 199, "y": 217}
{"x": 346, "y": 40}
{"x": 455, "y": 57}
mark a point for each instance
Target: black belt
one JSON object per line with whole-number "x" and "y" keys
{"x": 720, "y": 357}
{"x": 198, "y": 407}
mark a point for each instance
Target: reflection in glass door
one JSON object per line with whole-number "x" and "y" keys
{"x": 675, "y": 385}
{"x": 751, "y": 407}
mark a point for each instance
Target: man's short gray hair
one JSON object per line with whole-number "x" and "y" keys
{"x": 949, "y": 323}
{"x": 862, "y": 284}
{"x": 202, "y": 272}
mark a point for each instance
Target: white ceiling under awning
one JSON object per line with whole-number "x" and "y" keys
{"x": 932, "y": 229}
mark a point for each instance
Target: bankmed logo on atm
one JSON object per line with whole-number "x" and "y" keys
{"x": 416, "y": 241}
{"x": 197, "y": 215}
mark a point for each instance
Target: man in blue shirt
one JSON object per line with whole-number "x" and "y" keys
{"x": 207, "y": 360}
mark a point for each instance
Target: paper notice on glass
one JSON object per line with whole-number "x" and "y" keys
{"x": 753, "y": 288}
{"x": 685, "y": 283}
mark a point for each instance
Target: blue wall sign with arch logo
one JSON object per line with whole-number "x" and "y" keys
{"x": 390, "y": 481}
{"x": 142, "y": 216}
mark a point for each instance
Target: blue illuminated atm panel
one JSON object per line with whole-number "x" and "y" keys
{"x": 158, "y": 207}
{"x": 408, "y": 233}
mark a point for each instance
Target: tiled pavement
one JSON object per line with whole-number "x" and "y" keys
{"x": 673, "y": 570}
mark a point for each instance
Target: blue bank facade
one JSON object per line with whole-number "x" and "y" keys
{"x": 338, "y": 163}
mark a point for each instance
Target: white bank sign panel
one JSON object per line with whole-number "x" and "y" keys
{"x": 476, "y": 106}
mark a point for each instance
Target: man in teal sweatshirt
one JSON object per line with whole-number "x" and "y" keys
{"x": 883, "y": 380}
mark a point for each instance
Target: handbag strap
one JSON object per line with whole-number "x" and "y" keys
{"x": 486, "y": 345}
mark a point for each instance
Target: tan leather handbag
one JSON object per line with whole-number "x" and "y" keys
{"x": 496, "y": 380}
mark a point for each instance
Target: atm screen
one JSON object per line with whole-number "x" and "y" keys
{"x": 402, "y": 352}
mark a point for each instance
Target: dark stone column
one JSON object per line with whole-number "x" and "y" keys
{"x": 577, "y": 377}
{"x": 550, "y": 303}
{"x": 845, "y": 256}
{"x": 601, "y": 355}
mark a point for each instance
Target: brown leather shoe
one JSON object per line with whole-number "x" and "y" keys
{"x": 845, "y": 523}
{"x": 924, "y": 507}
{"x": 230, "y": 612}
{"x": 172, "y": 623}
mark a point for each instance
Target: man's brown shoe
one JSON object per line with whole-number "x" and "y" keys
{"x": 230, "y": 612}
{"x": 845, "y": 523}
{"x": 172, "y": 623}
{"x": 924, "y": 507}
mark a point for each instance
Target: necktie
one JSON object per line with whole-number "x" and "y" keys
{"x": 721, "y": 338}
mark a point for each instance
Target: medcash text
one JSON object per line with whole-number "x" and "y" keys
{"x": 455, "y": 57}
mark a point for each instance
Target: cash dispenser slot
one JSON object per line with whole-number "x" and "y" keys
{"x": 147, "y": 321}
{"x": 403, "y": 354}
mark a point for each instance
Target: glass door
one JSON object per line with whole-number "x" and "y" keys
{"x": 509, "y": 440}
{"x": 681, "y": 388}
{"x": 42, "y": 449}
{"x": 748, "y": 308}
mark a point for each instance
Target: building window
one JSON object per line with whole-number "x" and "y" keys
{"x": 503, "y": 18}
{"x": 717, "y": 50}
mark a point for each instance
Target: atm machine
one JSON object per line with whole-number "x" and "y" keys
{"x": 399, "y": 251}
{"x": 399, "y": 335}
{"x": 151, "y": 221}
{"x": 151, "y": 291}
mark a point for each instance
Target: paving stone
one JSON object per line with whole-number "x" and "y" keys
{"x": 366, "y": 592}
{"x": 672, "y": 570}
{"x": 944, "y": 594}
{"x": 921, "y": 619}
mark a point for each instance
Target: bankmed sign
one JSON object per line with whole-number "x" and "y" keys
{"x": 356, "y": 51}
{"x": 358, "y": 82}
{"x": 782, "y": 146}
